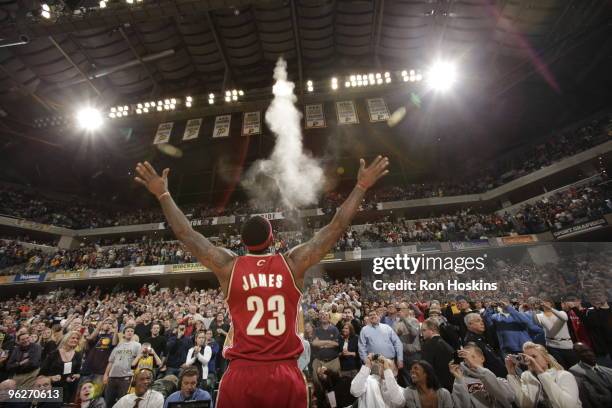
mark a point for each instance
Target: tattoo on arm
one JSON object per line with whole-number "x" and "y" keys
{"x": 311, "y": 252}
{"x": 209, "y": 255}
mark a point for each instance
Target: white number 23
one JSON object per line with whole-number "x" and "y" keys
{"x": 277, "y": 325}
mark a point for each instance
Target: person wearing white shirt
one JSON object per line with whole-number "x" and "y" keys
{"x": 558, "y": 340}
{"x": 199, "y": 356}
{"x": 143, "y": 397}
{"x": 544, "y": 382}
{"x": 369, "y": 387}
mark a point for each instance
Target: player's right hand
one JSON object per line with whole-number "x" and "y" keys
{"x": 368, "y": 176}
{"x": 148, "y": 177}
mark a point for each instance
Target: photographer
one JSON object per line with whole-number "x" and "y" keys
{"x": 476, "y": 386}
{"x": 544, "y": 381}
{"x": 147, "y": 358}
{"x": 370, "y": 385}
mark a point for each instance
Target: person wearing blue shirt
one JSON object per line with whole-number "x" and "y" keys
{"x": 379, "y": 338}
{"x": 189, "y": 391}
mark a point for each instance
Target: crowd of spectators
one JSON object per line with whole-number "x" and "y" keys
{"x": 483, "y": 349}
{"x": 78, "y": 214}
{"x": 561, "y": 210}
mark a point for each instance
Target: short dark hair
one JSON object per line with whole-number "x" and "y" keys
{"x": 190, "y": 371}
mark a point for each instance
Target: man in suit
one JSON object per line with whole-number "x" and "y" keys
{"x": 594, "y": 381}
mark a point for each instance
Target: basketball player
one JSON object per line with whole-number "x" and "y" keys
{"x": 263, "y": 292}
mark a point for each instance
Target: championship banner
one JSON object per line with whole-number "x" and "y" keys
{"x": 105, "y": 273}
{"x": 192, "y": 129}
{"x": 587, "y": 226}
{"x": 188, "y": 267}
{"x": 315, "y": 118}
{"x": 67, "y": 275}
{"x": 164, "y": 130}
{"x": 377, "y": 109}
{"x": 251, "y": 123}
{"x": 145, "y": 270}
{"x": 517, "y": 239}
{"x": 34, "y": 277}
{"x": 222, "y": 126}
{"x": 347, "y": 114}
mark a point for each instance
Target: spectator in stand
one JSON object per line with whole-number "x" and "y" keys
{"x": 24, "y": 361}
{"x": 87, "y": 398}
{"x": 391, "y": 318}
{"x": 437, "y": 352}
{"x": 379, "y": 338}
{"x": 371, "y": 385}
{"x": 212, "y": 363}
{"x": 46, "y": 341}
{"x": 63, "y": 365}
{"x": 118, "y": 374}
{"x": 143, "y": 329}
{"x": 597, "y": 320}
{"x": 408, "y": 329}
{"x": 544, "y": 382}
{"x": 143, "y": 396}
{"x": 348, "y": 316}
{"x": 348, "y": 343}
{"x": 325, "y": 347}
{"x": 509, "y": 325}
{"x": 220, "y": 329}
{"x": 594, "y": 381}
{"x": 474, "y": 385}
{"x": 147, "y": 358}
{"x": 425, "y": 389}
{"x": 199, "y": 356}
{"x": 476, "y": 334}
{"x": 100, "y": 345}
{"x": 456, "y": 315}
{"x": 178, "y": 346}
{"x": 558, "y": 340}
{"x": 189, "y": 390}
{"x": 157, "y": 341}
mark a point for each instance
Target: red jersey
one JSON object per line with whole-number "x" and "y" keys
{"x": 264, "y": 302}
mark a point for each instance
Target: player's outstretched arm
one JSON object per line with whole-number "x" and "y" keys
{"x": 216, "y": 259}
{"x": 309, "y": 253}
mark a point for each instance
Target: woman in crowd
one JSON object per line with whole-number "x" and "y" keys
{"x": 545, "y": 383}
{"x": 63, "y": 365}
{"x": 348, "y": 344}
{"x": 86, "y": 397}
{"x": 199, "y": 356}
{"x": 425, "y": 391}
{"x": 46, "y": 341}
{"x": 558, "y": 340}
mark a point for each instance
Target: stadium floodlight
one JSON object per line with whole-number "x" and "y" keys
{"x": 241, "y": 92}
{"x": 159, "y": 108}
{"x": 334, "y": 83}
{"x": 129, "y": 1}
{"x": 347, "y": 84}
{"x": 441, "y": 76}
{"x": 102, "y": 4}
{"x": 89, "y": 119}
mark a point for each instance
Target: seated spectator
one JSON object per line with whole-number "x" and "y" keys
{"x": 188, "y": 388}
{"x": 143, "y": 396}
{"x": 474, "y": 385}
{"x": 42, "y": 383}
{"x": 86, "y": 397}
{"x": 594, "y": 381}
{"x": 63, "y": 365}
{"x": 544, "y": 382}
{"x": 425, "y": 390}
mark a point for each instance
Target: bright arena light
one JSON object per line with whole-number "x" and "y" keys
{"x": 442, "y": 75}
{"x": 89, "y": 119}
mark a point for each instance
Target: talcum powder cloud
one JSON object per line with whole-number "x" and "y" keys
{"x": 290, "y": 174}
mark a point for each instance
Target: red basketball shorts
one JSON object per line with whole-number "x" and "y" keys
{"x": 255, "y": 384}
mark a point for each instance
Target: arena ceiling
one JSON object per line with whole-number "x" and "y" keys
{"x": 125, "y": 53}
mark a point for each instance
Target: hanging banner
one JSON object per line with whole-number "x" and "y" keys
{"x": 222, "y": 126}
{"x": 32, "y": 277}
{"x": 145, "y": 270}
{"x": 347, "y": 115}
{"x": 587, "y": 226}
{"x": 315, "y": 118}
{"x": 105, "y": 272}
{"x": 251, "y": 123}
{"x": 192, "y": 129}
{"x": 164, "y": 130}
{"x": 68, "y": 275}
{"x": 377, "y": 108}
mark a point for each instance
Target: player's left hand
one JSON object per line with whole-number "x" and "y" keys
{"x": 368, "y": 176}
